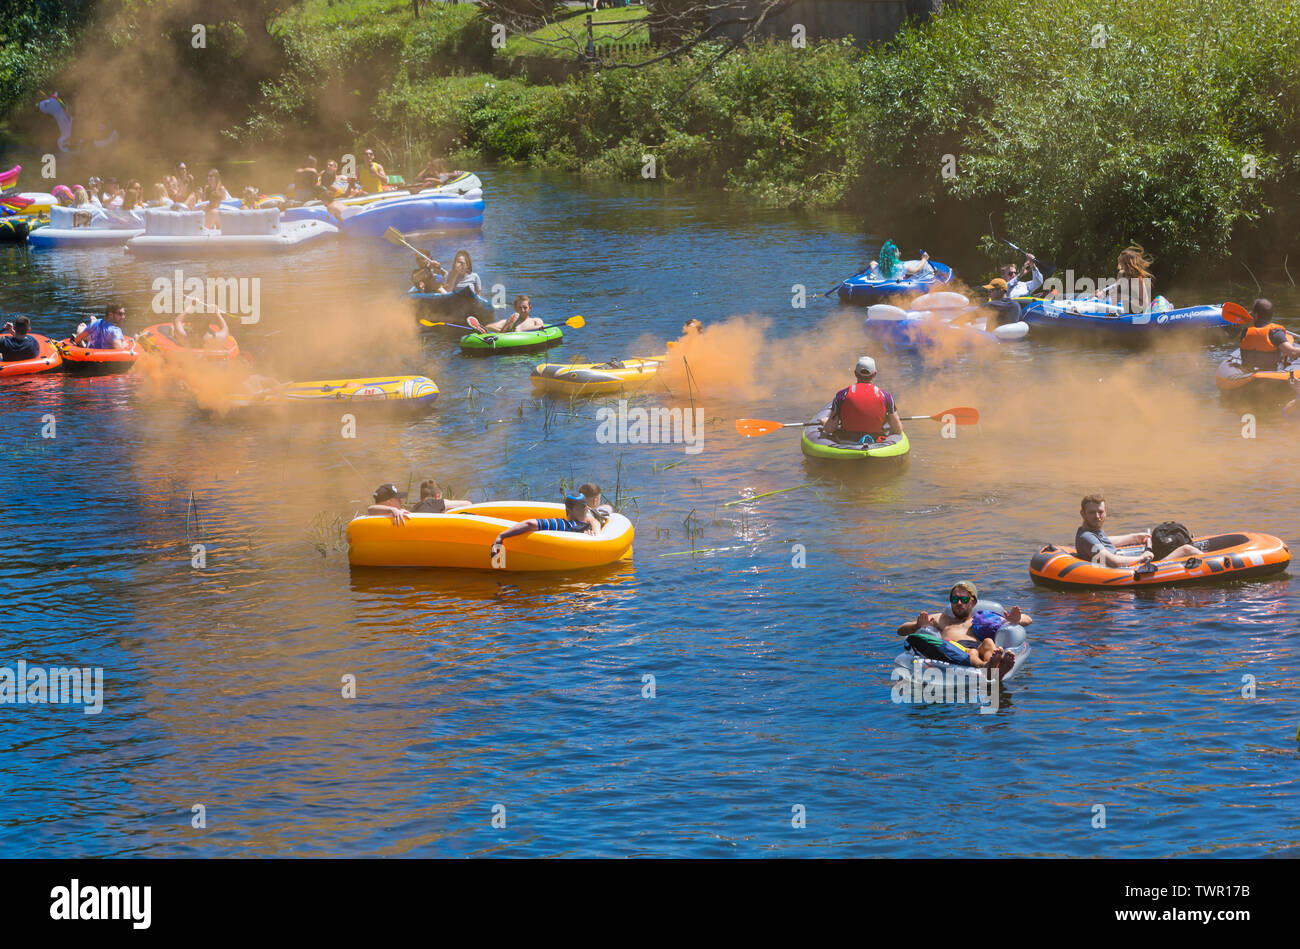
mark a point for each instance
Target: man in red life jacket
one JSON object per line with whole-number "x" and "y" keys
{"x": 863, "y": 410}
{"x": 1264, "y": 345}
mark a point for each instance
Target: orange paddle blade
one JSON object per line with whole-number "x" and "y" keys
{"x": 751, "y": 427}
{"x": 961, "y": 416}
{"x": 1236, "y": 313}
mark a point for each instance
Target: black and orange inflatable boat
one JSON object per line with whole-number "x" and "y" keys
{"x": 1241, "y": 556}
{"x": 161, "y": 339}
{"x": 46, "y": 359}
{"x": 84, "y": 361}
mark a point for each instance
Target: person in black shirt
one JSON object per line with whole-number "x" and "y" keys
{"x": 432, "y": 501}
{"x": 1004, "y": 311}
{"x": 19, "y": 346}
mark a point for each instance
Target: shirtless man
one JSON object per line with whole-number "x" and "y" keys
{"x": 968, "y": 633}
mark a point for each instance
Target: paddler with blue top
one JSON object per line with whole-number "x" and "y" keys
{"x": 962, "y": 634}
{"x": 862, "y": 413}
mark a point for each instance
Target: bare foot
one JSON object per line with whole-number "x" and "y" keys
{"x": 475, "y": 325}
{"x": 1013, "y": 616}
{"x": 1005, "y": 663}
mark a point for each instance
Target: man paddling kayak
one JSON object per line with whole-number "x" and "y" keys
{"x": 863, "y": 410}
{"x": 1266, "y": 346}
{"x": 965, "y": 634}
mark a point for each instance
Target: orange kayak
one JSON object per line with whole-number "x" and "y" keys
{"x": 161, "y": 339}
{"x": 85, "y": 361}
{"x": 1239, "y": 556}
{"x": 48, "y": 358}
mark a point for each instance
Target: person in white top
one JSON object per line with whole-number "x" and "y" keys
{"x": 1017, "y": 285}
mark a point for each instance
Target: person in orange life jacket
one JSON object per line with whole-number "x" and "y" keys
{"x": 1264, "y": 344}
{"x": 863, "y": 410}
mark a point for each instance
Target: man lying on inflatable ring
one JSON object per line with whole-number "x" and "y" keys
{"x": 962, "y": 634}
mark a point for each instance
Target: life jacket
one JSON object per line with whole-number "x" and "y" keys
{"x": 863, "y": 409}
{"x": 1257, "y": 350}
{"x": 1256, "y": 338}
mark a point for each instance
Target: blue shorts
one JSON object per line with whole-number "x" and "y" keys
{"x": 931, "y": 646}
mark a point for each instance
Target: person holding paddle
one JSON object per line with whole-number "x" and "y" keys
{"x": 519, "y": 321}
{"x": 1266, "y": 346}
{"x": 862, "y": 411}
{"x": 1016, "y": 284}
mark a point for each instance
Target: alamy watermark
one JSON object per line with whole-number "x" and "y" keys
{"x": 651, "y": 426}
{"x": 237, "y": 296}
{"x": 57, "y": 685}
{"x": 946, "y": 685}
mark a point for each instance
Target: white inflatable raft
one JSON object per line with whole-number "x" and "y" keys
{"x": 87, "y": 226}
{"x": 182, "y": 234}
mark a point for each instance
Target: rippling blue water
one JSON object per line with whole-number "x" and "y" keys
{"x": 771, "y": 682}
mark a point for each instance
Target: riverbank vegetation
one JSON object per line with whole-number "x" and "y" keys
{"x": 1078, "y": 125}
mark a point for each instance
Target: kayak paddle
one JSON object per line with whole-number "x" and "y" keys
{"x": 1045, "y": 267}
{"x": 394, "y": 236}
{"x": 1236, "y": 313}
{"x": 752, "y": 427}
{"x": 576, "y": 322}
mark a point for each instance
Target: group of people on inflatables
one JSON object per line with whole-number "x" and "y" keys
{"x": 585, "y": 510}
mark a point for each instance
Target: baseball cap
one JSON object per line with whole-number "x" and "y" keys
{"x": 866, "y": 366}
{"x": 386, "y": 492}
{"x": 965, "y": 585}
{"x": 997, "y": 283}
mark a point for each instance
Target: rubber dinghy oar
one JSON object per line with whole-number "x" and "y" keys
{"x": 753, "y": 427}
{"x": 575, "y": 322}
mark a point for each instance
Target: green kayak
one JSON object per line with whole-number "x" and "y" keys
{"x": 485, "y": 344}
{"x": 816, "y": 445}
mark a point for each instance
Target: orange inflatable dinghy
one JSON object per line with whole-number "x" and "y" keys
{"x": 82, "y": 360}
{"x": 161, "y": 339}
{"x": 1240, "y": 556}
{"x": 48, "y": 358}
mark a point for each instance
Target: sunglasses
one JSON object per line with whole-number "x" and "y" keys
{"x": 957, "y": 598}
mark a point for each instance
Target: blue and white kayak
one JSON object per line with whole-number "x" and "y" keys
{"x": 932, "y": 323}
{"x": 858, "y": 289}
{"x": 1091, "y": 317}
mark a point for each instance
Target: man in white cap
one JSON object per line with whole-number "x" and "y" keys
{"x": 864, "y": 410}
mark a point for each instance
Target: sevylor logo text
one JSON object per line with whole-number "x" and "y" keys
{"x": 651, "y": 426}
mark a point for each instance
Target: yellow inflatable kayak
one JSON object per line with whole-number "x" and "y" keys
{"x": 410, "y": 392}
{"x": 463, "y": 538}
{"x": 617, "y": 375}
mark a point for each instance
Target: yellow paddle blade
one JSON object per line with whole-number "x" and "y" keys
{"x": 576, "y": 322}
{"x": 394, "y": 236}
{"x": 752, "y": 427}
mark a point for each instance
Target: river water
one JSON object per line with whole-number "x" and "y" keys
{"x": 1153, "y": 723}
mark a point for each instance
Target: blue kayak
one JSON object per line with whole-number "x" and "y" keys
{"x": 860, "y": 290}
{"x": 1093, "y": 317}
{"x": 462, "y": 303}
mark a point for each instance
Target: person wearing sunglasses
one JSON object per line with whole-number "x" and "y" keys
{"x": 965, "y": 634}
{"x": 371, "y": 174}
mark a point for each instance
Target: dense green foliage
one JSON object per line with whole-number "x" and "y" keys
{"x": 1078, "y": 125}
